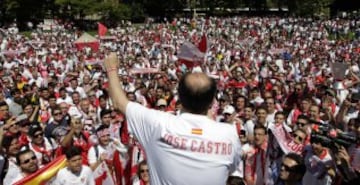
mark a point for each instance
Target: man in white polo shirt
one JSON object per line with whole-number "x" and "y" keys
{"x": 185, "y": 149}
{"x": 75, "y": 173}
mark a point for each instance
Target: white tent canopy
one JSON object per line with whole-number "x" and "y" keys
{"x": 85, "y": 38}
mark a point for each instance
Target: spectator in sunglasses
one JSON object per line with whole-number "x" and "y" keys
{"x": 57, "y": 120}
{"x": 292, "y": 170}
{"x": 300, "y": 136}
{"x": 143, "y": 174}
{"x": 43, "y": 147}
{"x": 27, "y": 162}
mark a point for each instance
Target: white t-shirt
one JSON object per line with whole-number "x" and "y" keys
{"x": 190, "y": 143}
{"x": 19, "y": 176}
{"x": 108, "y": 150}
{"x": 78, "y": 89}
{"x": 13, "y": 172}
{"x": 66, "y": 177}
{"x": 92, "y": 158}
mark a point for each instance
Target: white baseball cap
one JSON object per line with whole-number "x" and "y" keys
{"x": 228, "y": 109}
{"x": 161, "y": 102}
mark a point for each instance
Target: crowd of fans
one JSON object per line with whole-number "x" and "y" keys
{"x": 271, "y": 72}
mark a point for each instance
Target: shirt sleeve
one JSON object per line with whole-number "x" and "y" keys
{"x": 237, "y": 157}
{"x": 91, "y": 180}
{"x": 91, "y": 156}
{"x": 57, "y": 180}
{"x": 143, "y": 122}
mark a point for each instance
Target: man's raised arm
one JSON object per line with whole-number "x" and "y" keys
{"x": 116, "y": 91}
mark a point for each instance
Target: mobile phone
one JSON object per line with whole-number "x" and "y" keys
{"x": 21, "y": 117}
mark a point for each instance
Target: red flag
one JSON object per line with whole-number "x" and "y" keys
{"x": 157, "y": 38}
{"x": 101, "y": 30}
{"x": 203, "y": 44}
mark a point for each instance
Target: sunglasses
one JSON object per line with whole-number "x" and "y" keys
{"x": 33, "y": 158}
{"x": 301, "y": 139}
{"x": 287, "y": 168}
{"x": 146, "y": 170}
{"x": 38, "y": 135}
{"x": 301, "y": 124}
{"x": 13, "y": 125}
{"x": 57, "y": 114}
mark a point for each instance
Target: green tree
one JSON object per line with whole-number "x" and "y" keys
{"x": 77, "y": 8}
{"x": 23, "y": 11}
{"x": 309, "y": 7}
{"x": 112, "y": 12}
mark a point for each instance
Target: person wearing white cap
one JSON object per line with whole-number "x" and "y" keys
{"x": 161, "y": 104}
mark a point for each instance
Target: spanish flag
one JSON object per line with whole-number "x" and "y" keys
{"x": 44, "y": 174}
{"x": 196, "y": 131}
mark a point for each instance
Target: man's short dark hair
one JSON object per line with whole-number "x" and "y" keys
{"x": 72, "y": 152}
{"x": 304, "y": 117}
{"x": 250, "y": 105}
{"x": 235, "y": 180}
{"x": 196, "y": 100}
{"x": 102, "y": 127}
{"x": 300, "y": 167}
{"x": 280, "y": 113}
{"x": 52, "y": 96}
{"x": 62, "y": 89}
{"x": 22, "y": 152}
{"x": 104, "y": 112}
{"x": 261, "y": 108}
{"x": 258, "y": 126}
{"x": 3, "y": 103}
{"x": 75, "y": 92}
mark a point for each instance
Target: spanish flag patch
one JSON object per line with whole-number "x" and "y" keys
{"x": 197, "y": 131}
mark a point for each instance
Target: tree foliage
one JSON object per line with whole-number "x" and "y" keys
{"x": 115, "y": 10}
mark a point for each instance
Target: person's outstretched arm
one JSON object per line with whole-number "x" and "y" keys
{"x": 116, "y": 91}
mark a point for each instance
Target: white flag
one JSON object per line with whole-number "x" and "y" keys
{"x": 102, "y": 175}
{"x": 190, "y": 52}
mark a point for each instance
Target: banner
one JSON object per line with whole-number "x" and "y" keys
{"x": 46, "y": 173}
{"x": 12, "y": 52}
{"x": 285, "y": 141}
{"x": 338, "y": 70}
{"x": 190, "y": 52}
{"x": 144, "y": 71}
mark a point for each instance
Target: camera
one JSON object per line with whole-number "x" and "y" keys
{"x": 329, "y": 137}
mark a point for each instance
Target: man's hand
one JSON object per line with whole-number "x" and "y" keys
{"x": 103, "y": 157}
{"x": 111, "y": 62}
{"x": 343, "y": 154}
{"x": 117, "y": 94}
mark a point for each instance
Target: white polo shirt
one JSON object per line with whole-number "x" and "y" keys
{"x": 66, "y": 177}
{"x": 185, "y": 149}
